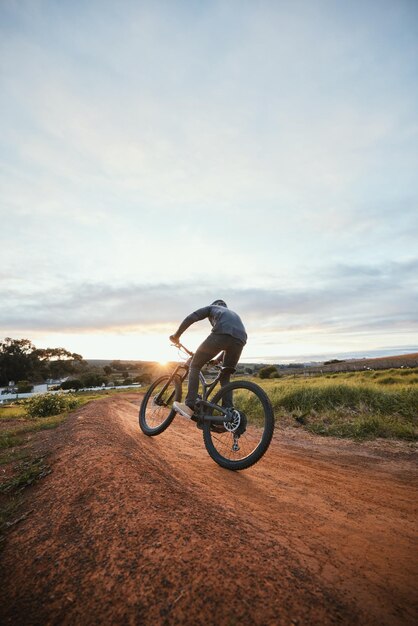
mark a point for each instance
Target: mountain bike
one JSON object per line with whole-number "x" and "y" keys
{"x": 237, "y": 421}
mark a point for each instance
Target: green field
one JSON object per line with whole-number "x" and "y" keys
{"x": 16, "y": 424}
{"x": 360, "y": 405}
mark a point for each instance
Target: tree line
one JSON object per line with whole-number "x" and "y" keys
{"x": 21, "y": 360}
{"x": 22, "y": 363}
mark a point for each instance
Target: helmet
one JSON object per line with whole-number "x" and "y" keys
{"x": 219, "y": 303}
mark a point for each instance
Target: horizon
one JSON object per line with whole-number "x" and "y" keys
{"x": 283, "y": 360}
{"x": 158, "y": 158}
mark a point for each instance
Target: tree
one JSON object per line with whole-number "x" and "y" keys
{"x": 93, "y": 379}
{"x": 18, "y": 360}
{"x": 119, "y": 366}
{"x": 107, "y": 370}
{"x": 21, "y": 360}
{"x": 57, "y": 362}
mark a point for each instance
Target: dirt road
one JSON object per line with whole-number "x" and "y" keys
{"x": 135, "y": 530}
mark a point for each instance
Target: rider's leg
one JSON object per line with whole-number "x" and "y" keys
{"x": 233, "y": 348}
{"x": 205, "y": 352}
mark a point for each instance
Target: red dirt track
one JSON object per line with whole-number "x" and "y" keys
{"x": 135, "y": 530}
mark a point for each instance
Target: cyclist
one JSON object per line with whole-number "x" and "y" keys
{"x": 228, "y": 336}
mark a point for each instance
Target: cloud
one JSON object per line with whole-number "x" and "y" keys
{"x": 392, "y": 272}
{"x": 269, "y": 149}
{"x": 202, "y": 124}
{"x": 353, "y": 299}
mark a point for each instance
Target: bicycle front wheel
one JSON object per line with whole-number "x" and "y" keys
{"x": 239, "y": 444}
{"x": 156, "y": 412}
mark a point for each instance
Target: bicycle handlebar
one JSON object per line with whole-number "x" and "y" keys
{"x": 180, "y": 345}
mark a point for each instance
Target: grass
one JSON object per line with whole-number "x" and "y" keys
{"x": 360, "y": 405}
{"x": 10, "y": 412}
{"x": 8, "y": 509}
{"x": 401, "y": 376}
{"x": 22, "y": 468}
{"x": 364, "y": 427}
{"x": 24, "y": 424}
{"x": 10, "y": 455}
{"x": 24, "y": 474}
{"x": 21, "y": 464}
{"x": 28, "y": 471}
{"x": 14, "y": 436}
{"x": 9, "y": 439}
{"x": 403, "y": 402}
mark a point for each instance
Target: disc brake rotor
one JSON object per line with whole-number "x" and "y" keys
{"x": 233, "y": 425}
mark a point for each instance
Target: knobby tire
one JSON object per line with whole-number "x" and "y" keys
{"x": 147, "y": 428}
{"x": 209, "y": 437}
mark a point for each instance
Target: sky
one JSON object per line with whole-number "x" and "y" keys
{"x": 156, "y": 156}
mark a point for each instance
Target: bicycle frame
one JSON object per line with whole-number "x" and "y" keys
{"x": 236, "y": 434}
{"x": 208, "y": 387}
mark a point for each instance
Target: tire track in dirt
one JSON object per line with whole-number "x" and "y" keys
{"x": 135, "y": 530}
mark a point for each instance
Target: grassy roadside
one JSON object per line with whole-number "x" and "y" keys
{"x": 15, "y": 423}
{"x": 358, "y": 405}
{"x": 21, "y": 465}
{"x": 362, "y": 405}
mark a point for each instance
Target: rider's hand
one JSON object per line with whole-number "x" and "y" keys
{"x": 174, "y": 340}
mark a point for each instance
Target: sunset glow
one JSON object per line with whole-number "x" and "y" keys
{"x": 263, "y": 153}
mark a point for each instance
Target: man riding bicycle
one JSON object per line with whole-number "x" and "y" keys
{"x": 228, "y": 336}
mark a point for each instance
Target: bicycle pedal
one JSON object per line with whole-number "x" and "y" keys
{"x": 180, "y": 411}
{"x": 183, "y": 414}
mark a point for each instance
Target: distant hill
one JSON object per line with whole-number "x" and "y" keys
{"x": 129, "y": 362}
{"x": 377, "y": 363}
{"x": 336, "y": 365}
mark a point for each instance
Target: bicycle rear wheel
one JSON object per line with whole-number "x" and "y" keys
{"x": 156, "y": 412}
{"x": 243, "y": 442}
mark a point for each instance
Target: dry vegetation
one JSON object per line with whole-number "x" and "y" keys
{"x": 363, "y": 404}
{"x": 366, "y": 404}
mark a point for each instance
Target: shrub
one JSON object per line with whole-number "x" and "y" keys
{"x": 50, "y": 404}
{"x": 75, "y": 384}
{"x": 93, "y": 380}
{"x": 24, "y": 386}
{"x": 268, "y": 371}
{"x": 144, "y": 378}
